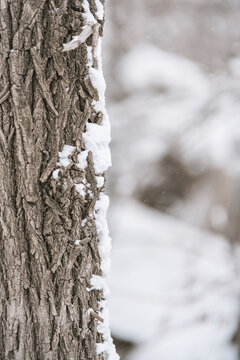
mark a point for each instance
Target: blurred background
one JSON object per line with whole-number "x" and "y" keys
{"x": 173, "y": 95}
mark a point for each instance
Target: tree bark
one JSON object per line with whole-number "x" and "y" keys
{"x": 48, "y": 236}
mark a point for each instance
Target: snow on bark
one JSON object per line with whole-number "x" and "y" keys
{"x": 100, "y": 10}
{"x": 64, "y": 155}
{"x": 97, "y": 137}
{"x": 63, "y": 159}
{"x": 87, "y": 30}
{"x": 55, "y": 173}
{"x": 100, "y": 181}
{"x": 88, "y": 16}
{"x": 99, "y": 282}
{"x": 80, "y": 189}
{"x": 96, "y": 140}
{"x": 78, "y": 39}
{"x": 82, "y": 159}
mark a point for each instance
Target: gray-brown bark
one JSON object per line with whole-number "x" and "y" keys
{"x": 44, "y": 276}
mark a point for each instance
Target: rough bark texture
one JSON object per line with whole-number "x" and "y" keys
{"x": 45, "y": 98}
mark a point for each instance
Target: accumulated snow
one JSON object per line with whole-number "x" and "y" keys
{"x": 78, "y": 39}
{"x": 88, "y": 16}
{"x": 100, "y": 181}
{"x": 90, "y": 193}
{"x": 99, "y": 283}
{"x": 64, "y": 155}
{"x": 103, "y": 328}
{"x": 96, "y": 139}
{"x": 99, "y": 83}
{"x": 86, "y": 30}
{"x": 55, "y": 173}
{"x": 80, "y": 189}
{"x": 101, "y": 347}
{"x": 175, "y": 290}
{"x": 100, "y": 10}
{"x": 103, "y": 233}
{"x": 82, "y": 159}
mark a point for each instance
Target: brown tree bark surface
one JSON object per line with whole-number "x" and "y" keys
{"x": 45, "y": 103}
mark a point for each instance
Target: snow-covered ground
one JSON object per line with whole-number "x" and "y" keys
{"x": 175, "y": 290}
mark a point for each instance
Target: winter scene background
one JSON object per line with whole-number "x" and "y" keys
{"x": 172, "y": 69}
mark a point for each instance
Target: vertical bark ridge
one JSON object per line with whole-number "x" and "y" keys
{"x": 45, "y": 98}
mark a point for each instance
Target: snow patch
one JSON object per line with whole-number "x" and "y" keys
{"x": 80, "y": 189}
{"x": 97, "y": 137}
{"x": 83, "y": 222}
{"x": 88, "y": 16}
{"x": 99, "y": 283}
{"x": 64, "y": 155}
{"x": 90, "y": 193}
{"x": 188, "y": 287}
{"x": 82, "y": 159}
{"x": 78, "y": 39}
{"x": 101, "y": 207}
{"x": 103, "y": 328}
{"x": 100, "y": 181}
{"x": 86, "y": 30}
{"x": 97, "y": 78}
{"x": 101, "y": 347}
{"x": 100, "y": 9}
{"x": 55, "y": 174}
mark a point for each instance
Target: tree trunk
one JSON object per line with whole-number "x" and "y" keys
{"x": 50, "y": 182}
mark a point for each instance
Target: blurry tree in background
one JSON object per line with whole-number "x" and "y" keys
{"x": 207, "y": 33}
{"x": 174, "y": 72}
{"x": 49, "y": 242}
